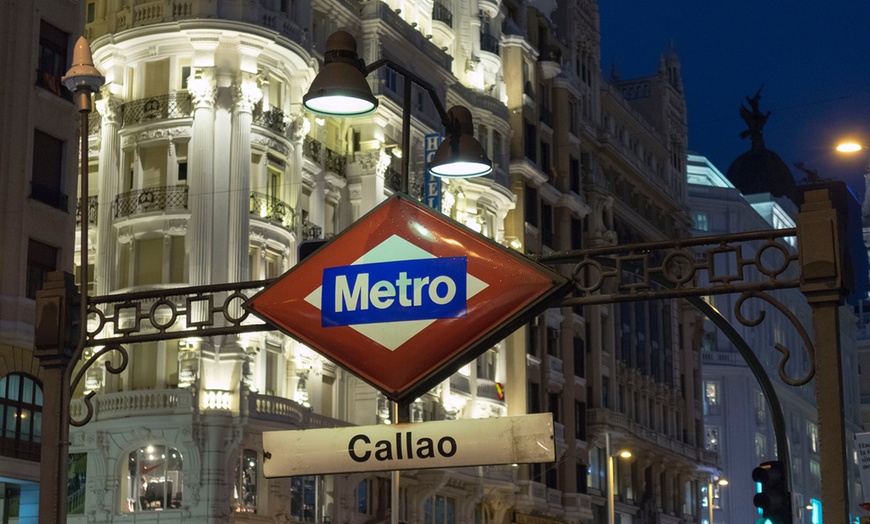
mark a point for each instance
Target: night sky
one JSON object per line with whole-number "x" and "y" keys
{"x": 812, "y": 57}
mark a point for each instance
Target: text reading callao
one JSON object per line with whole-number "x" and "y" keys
{"x": 422, "y": 289}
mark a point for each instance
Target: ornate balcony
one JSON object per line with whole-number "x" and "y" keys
{"x": 440, "y": 13}
{"x": 273, "y": 210}
{"x": 162, "y": 198}
{"x": 270, "y": 118}
{"x": 489, "y": 43}
{"x": 162, "y": 107}
{"x": 311, "y": 231}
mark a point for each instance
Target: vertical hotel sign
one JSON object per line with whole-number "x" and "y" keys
{"x": 431, "y": 183}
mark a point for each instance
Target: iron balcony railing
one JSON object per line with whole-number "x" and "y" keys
{"x": 311, "y": 231}
{"x": 162, "y": 198}
{"x": 161, "y": 107}
{"x": 272, "y": 209}
{"x": 311, "y": 149}
{"x": 325, "y": 157}
{"x": 334, "y": 162}
{"x": 440, "y": 13}
{"x": 95, "y": 123}
{"x": 93, "y": 206}
{"x": 271, "y": 118}
{"x": 488, "y": 43}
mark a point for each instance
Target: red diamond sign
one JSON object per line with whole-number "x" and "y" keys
{"x": 406, "y": 296}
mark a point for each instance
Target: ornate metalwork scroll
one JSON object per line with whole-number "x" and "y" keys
{"x": 166, "y": 314}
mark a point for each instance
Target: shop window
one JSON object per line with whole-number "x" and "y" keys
{"x": 304, "y": 495}
{"x": 20, "y": 416}
{"x": 439, "y": 510}
{"x": 365, "y": 497}
{"x": 154, "y": 480}
{"x": 245, "y": 490}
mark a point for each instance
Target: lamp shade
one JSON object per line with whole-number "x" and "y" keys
{"x": 340, "y": 88}
{"x": 83, "y": 74}
{"x": 460, "y": 155}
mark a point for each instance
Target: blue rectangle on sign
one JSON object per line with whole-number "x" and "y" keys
{"x": 423, "y": 289}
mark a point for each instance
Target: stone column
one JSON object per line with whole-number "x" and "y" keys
{"x": 246, "y": 94}
{"x": 109, "y": 173}
{"x": 201, "y": 186}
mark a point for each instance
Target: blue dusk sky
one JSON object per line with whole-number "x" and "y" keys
{"x": 812, "y": 57}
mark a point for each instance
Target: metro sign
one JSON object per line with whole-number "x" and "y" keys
{"x": 406, "y": 296}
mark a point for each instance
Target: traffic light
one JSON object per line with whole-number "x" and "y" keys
{"x": 774, "y": 499}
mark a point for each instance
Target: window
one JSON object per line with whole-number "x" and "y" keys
{"x": 487, "y": 365}
{"x": 41, "y": 260}
{"x": 701, "y": 221}
{"x": 574, "y": 175}
{"x": 547, "y": 225}
{"x": 531, "y": 205}
{"x": 46, "y": 184}
{"x": 596, "y": 477}
{"x": 711, "y": 438}
{"x": 245, "y": 490}
{"x": 365, "y": 497}
{"x": 439, "y": 510}
{"x": 813, "y": 436}
{"x": 530, "y": 141}
{"x": 760, "y": 407}
{"x": 20, "y": 416}
{"x": 579, "y": 420}
{"x": 154, "y": 481}
{"x": 304, "y": 496}
{"x": 553, "y": 407}
{"x": 534, "y": 397}
{"x": 77, "y": 485}
{"x": 390, "y": 79}
{"x": 711, "y": 397}
{"x": 53, "y": 45}
{"x": 760, "y": 447}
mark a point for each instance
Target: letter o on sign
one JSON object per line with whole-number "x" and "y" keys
{"x": 442, "y": 446}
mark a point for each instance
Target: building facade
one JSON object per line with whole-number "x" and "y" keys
{"x": 205, "y": 169}
{"x": 38, "y": 152}
{"x": 738, "y": 422}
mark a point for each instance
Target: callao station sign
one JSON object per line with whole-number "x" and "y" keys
{"x": 403, "y": 298}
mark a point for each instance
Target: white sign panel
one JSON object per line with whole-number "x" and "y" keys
{"x": 862, "y": 443}
{"x": 442, "y": 444}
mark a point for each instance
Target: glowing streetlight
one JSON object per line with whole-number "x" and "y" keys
{"x": 340, "y": 90}
{"x": 611, "y": 480}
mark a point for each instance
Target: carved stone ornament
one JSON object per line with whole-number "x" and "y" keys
{"x": 246, "y": 93}
{"x": 203, "y": 88}
{"x": 109, "y": 107}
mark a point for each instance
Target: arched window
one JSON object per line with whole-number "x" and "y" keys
{"x": 154, "y": 479}
{"x": 20, "y": 416}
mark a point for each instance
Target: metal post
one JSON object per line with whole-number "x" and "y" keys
{"x": 819, "y": 248}
{"x": 53, "y": 346}
{"x": 710, "y": 499}
{"x": 611, "y": 511}
{"x": 401, "y": 415}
